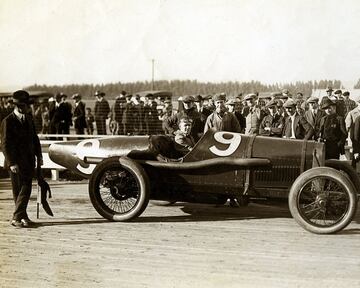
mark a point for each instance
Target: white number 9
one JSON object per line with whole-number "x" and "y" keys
{"x": 83, "y": 149}
{"x": 233, "y": 143}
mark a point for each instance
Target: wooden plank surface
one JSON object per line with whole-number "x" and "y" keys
{"x": 184, "y": 245}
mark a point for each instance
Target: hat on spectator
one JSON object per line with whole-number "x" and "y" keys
{"x": 312, "y": 99}
{"x": 275, "y": 94}
{"x": 21, "y": 97}
{"x": 346, "y": 93}
{"x": 220, "y": 97}
{"x": 99, "y": 93}
{"x": 272, "y": 103}
{"x": 167, "y": 101}
{"x": 338, "y": 91}
{"x": 230, "y": 102}
{"x": 188, "y": 98}
{"x": 250, "y": 96}
{"x": 289, "y": 103}
{"x": 123, "y": 92}
{"x": 137, "y": 97}
{"x": 285, "y": 91}
{"x": 76, "y": 96}
{"x": 326, "y": 103}
{"x": 198, "y": 98}
{"x": 266, "y": 96}
{"x": 43, "y": 101}
{"x": 329, "y": 89}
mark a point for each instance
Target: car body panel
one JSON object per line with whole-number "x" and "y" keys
{"x": 288, "y": 159}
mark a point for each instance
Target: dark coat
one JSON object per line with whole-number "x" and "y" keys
{"x": 101, "y": 110}
{"x": 60, "y": 115}
{"x": 79, "y": 115}
{"x": 275, "y": 123}
{"x": 333, "y": 132}
{"x": 314, "y": 121}
{"x": 20, "y": 143}
{"x": 303, "y": 129}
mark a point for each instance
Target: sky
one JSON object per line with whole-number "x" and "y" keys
{"x": 72, "y": 41}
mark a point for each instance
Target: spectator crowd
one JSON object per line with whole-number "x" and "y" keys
{"x": 279, "y": 114}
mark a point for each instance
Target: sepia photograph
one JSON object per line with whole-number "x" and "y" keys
{"x": 179, "y": 143}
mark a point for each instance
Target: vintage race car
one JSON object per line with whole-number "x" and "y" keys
{"x": 322, "y": 195}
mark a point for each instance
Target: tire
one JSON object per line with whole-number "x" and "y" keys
{"x": 323, "y": 200}
{"x": 119, "y": 189}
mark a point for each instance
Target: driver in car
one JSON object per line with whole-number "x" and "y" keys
{"x": 184, "y": 142}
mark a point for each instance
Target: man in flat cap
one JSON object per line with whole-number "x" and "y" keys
{"x": 313, "y": 115}
{"x": 340, "y": 104}
{"x": 204, "y": 111}
{"x": 172, "y": 123}
{"x": 253, "y": 116}
{"x": 332, "y": 131}
{"x": 296, "y": 126}
{"x": 221, "y": 119}
{"x": 273, "y": 123}
{"x": 79, "y": 115}
{"x": 329, "y": 90}
{"x": 21, "y": 148}
{"x": 101, "y": 111}
{"x": 234, "y": 106}
{"x": 349, "y": 103}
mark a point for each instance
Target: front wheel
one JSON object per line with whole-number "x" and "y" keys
{"x": 119, "y": 189}
{"x": 323, "y": 200}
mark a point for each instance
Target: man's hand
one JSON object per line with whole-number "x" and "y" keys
{"x": 356, "y": 156}
{"x": 14, "y": 168}
{"x": 40, "y": 162}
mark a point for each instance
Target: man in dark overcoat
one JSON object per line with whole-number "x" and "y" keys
{"x": 21, "y": 148}
{"x": 102, "y": 110}
{"x": 332, "y": 131}
{"x": 79, "y": 115}
{"x": 313, "y": 115}
{"x": 296, "y": 126}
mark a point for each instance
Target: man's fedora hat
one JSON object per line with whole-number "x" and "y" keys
{"x": 326, "y": 103}
{"x": 99, "y": 93}
{"x": 22, "y": 97}
{"x": 76, "y": 96}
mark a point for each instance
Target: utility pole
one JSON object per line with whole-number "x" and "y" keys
{"x": 152, "y": 74}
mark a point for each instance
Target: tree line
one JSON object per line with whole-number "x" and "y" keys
{"x": 188, "y": 87}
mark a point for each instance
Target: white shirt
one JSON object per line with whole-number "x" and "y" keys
{"x": 19, "y": 115}
{"x": 293, "y": 126}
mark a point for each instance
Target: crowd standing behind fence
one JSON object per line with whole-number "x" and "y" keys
{"x": 279, "y": 114}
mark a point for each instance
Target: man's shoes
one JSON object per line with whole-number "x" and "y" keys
{"x": 16, "y": 223}
{"x": 25, "y": 223}
{"x": 234, "y": 203}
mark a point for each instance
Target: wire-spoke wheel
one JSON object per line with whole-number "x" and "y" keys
{"x": 119, "y": 189}
{"x": 323, "y": 200}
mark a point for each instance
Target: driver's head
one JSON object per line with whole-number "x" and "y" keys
{"x": 185, "y": 125}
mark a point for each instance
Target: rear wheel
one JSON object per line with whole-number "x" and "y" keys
{"x": 323, "y": 200}
{"x": 119, "y": 189}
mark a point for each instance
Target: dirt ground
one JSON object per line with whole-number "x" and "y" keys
{"x": 184, "y": 245}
